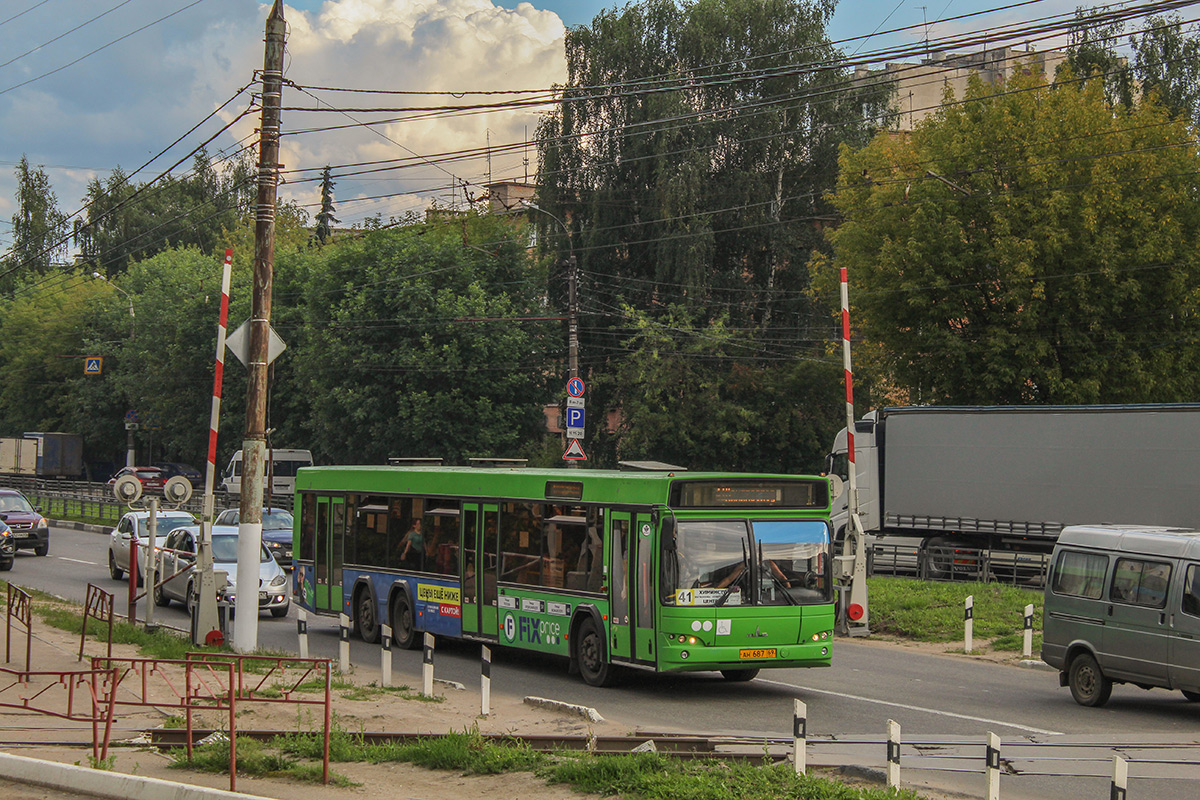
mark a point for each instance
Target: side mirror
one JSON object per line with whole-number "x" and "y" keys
{"x": 836, "y": 487}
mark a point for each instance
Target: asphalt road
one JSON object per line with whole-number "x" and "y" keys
{"x": 932, "y": 696}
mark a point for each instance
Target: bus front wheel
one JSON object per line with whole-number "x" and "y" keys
{"x": 404, "y": 629}
{"x": 739, "y": 675}
{"x": 593, "y": 661}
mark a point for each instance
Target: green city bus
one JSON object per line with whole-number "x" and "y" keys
{"x": 662, "y": 570}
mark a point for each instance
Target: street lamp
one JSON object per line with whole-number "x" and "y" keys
{"x": 128, "y": 297}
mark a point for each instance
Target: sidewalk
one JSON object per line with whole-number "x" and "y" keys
{"x": 62, "y": 748}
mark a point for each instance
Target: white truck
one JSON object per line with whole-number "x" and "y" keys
{"x": 1009, "y": 478}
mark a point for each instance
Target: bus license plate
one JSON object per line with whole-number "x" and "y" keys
{"x": 757, "y": 653}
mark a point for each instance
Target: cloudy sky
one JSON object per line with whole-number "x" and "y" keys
{"x": 89, "y": 85}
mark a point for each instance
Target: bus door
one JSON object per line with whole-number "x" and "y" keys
{"x": 487, "y": 571}
{"x": 630, "y": 586}
{"x": 327, "y": 555}
{"x": 469, "y": 565}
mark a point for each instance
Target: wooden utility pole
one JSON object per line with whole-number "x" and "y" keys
{"x": 245, "y": 631}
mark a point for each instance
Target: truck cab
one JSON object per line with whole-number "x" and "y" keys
{"x": 866, "y": 460}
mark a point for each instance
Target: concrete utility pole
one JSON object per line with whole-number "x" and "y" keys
{"x": 245, "y": 629}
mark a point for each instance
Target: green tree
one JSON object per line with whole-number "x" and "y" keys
{"x": 1028, "y": 246}
{"x": 691, "y": 157}
{"x": 676, "y": 407}
{"x": 1165, "y": 65}
{"x": 408, "y": 344}
{"x": 43, "y": 333}
{"x": 325, "y": 218}
{"x": 126, "y": 222}
{"x": 39, "y": 228}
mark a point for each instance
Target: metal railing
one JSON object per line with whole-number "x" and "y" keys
{"x": 947, "y": 563}
{"x": 93, "y": 500}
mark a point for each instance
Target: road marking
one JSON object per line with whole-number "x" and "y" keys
{"x": 76, "y": 560}
{"x": 913, "y": 708}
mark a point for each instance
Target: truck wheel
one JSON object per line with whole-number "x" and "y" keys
{"x": 1089, "y": 687}
{"x": 113, "y": 570}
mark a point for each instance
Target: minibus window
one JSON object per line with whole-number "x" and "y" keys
{"x": 1079, "y": 574}
{"x": 1191, "y": 591}
{"x": 1142, "y": 583}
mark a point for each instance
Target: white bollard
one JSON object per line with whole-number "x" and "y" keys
{"x": 800, "y": 736}
{"x": 385, "y": 637}
{"x": 344, "y": 643}
{"x": 1027, "y": 651}
{"x": 893, "y": 754}
{"x": 485, "y": 679}
{"x": 302, "y": 631}
{"x": 1120, "y": 780}
{"x": 427, "y": 667}
{"x": 969, "y": 623}
{"x": 993, "y": 767}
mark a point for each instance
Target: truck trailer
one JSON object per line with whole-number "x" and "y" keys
{"x": 42, "y": 455}
{"x": 18, "y": 456}
{"x": 1009, "y": 478}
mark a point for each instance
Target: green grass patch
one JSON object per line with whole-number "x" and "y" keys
{"x": 640, "y": 776}
{"x": 651, "y": 776}
{"x": 254, "y": 759}
{"x": 933, "y": 612}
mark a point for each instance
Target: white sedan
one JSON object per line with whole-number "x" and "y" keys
{"x": 178, "y": 573}
{"x": 136, "y": 525}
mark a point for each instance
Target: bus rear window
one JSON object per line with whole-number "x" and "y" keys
{"x": 750, "y": 494}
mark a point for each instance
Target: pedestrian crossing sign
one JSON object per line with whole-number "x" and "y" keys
{"x": 93, "y": 365}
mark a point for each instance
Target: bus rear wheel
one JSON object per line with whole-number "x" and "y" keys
{"x": 404, "y": 629}
{"x": 593, "y": 660}
{"x": 739, "y": 675}
{"x": 364, "y": 615}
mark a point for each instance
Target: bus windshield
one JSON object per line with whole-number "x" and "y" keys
{"x": 735, "y": 562}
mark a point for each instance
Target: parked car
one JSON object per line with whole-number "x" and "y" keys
{"x": 172, "y": 468}
{"x": 181, "y": 553}
{"x": 8, "y": 548}
{"x": 30, "y": 531}
{"x": 136, "y": 525}
{"x": 276, "y": 533}
{"x": 151, "y": 477}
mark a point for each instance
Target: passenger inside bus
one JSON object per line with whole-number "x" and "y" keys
{"x": 412, "y": 546}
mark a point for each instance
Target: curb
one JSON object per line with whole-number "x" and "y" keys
{"x": 1036, "y": 664}
{"x": 590, "y": 714}
{"x": 79, "y": 526}
{"x": 90, "y": 782}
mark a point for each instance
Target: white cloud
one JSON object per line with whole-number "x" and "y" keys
{"x": 123, "y": 104}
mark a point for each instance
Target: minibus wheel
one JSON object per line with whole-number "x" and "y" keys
{"x": 1089, "y": 687}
